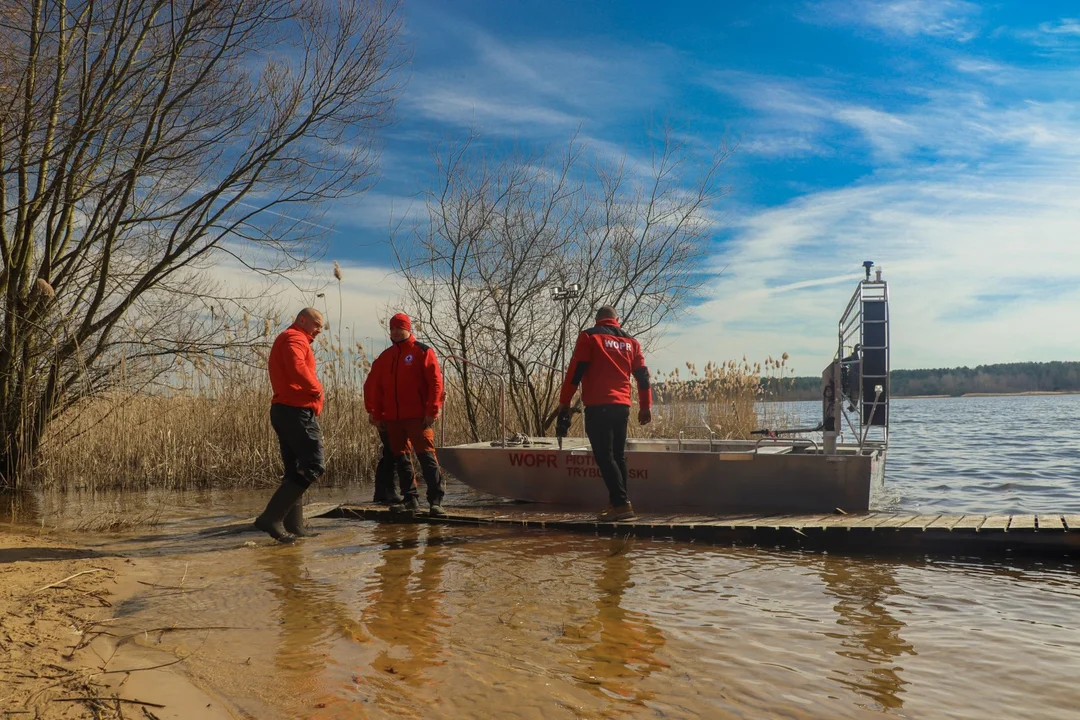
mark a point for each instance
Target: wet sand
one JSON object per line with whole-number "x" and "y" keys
{"x": 59, "y": 656}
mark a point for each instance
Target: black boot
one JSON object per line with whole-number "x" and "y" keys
{"x": 272, "y": 519}
{"x": 384, "y": 480}
{"x": 294, "y": 521}
{"x": 407, "y": 506}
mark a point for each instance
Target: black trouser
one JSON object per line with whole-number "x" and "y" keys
{"x": 300, "y": 439}
{"x": 384, "y": 474}
{"x": 429, "y": 466}
{"x": 606, "y": 427}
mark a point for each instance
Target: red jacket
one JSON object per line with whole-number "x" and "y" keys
{"x": 292, "y": 370}
{"x": 405, "y": 383}
{"x": 604, "y": 359}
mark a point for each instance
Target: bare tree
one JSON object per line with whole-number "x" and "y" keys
{"x": 502, "y": 232}
{"x": 142, "y": 142}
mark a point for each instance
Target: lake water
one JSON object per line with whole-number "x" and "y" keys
{"x": 979, "y": 455}
{"x": 403, "y": 620}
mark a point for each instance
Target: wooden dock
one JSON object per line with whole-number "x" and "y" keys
{"x": 1051, "y": 534}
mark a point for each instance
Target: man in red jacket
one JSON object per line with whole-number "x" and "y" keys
{"x": 604, "y": 359}
{"x": 404, "y": 396}
{"x": 298, "y": 399}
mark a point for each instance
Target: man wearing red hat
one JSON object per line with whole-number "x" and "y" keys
{"x": 404, "y": 393}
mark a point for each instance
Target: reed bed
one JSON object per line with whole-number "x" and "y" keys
{"x": 209, "y": 427}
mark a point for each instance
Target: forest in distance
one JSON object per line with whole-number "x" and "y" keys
{"x": 1001, "y": 378}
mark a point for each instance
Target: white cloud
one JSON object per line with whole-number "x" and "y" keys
{"x": 377, "y": 211}
{"x": 953, "y": 19}
{"x": 1065, "y": 26}
{"x": 960, "y": 120}
{"x": 1053, "y": 37}
{"x": 983, "y": 268}
{"x": 540, "y": 88}
{"x": 365, "y": 296}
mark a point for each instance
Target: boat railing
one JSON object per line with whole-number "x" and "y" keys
{"x": 788, "y": 443}
{"x": 706, "y": 428}
{"x": 502, "y": 397}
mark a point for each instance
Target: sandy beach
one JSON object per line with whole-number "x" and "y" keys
{"x": 58, "y": 656}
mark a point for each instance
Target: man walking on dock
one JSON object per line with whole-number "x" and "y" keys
{"x": 404, "y": 397}
{"x": 604, "y": 359}
{"x": 297, "y": 401}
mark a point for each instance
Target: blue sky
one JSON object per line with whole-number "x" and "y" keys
{"x": 939, "y": 138}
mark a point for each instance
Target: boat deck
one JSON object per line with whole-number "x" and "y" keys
{"x": 1049, "y": 534}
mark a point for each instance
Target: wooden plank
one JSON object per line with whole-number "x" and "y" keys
{"x": 995, "y": 522}
{"x": 866, "y": 522}
{"x": 839, "y": 520}
{"x": 945, "y": 522}
{"x": 803, "y": 521}
{"x": 893, "y": 521}
{"x": 688, "y": 521}
{"x": 732, "y": 521}
{"x": 780, "y": 522}
{"x": 873, "y": 520}
{"x": 969, "y": 522}
{"x": 1022, "y": 522}
{"x": 1049, "y": 522}
{"x": 754, "y": 521}
{"x": 920, "y": 521}
{"x": 1072, "y": 522}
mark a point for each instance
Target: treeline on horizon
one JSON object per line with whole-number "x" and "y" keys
{"x": 999, "y": 378}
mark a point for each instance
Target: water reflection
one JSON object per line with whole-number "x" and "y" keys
{"x": 404, "y": 609}
{"x": 862, "y": 589}
{"x": 311, "y": 616}
{"x": 619, "y": 646}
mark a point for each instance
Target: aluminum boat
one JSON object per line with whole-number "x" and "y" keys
{"x": 836, "y": 466}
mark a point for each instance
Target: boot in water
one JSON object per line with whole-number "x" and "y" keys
{"x": 294, "y": 521}
{"x": 271, "y": 521}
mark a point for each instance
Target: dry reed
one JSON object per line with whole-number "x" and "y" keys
{"x": 210, "y": 427}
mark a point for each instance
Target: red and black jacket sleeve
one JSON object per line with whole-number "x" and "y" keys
{"x": 579, "y": 364}
{"x": 641, "y": 375}
{"x": 433, "y": 383}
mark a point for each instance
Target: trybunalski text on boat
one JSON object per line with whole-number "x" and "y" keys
{"x": 837, "y": 465}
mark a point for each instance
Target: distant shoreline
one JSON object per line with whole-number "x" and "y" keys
{"x": 988, "y": 394}
{"x": 942, "y": 397}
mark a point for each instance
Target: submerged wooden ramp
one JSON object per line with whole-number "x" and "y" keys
{"x": 1049, "y": 534}
{"x": 236, "y": 527}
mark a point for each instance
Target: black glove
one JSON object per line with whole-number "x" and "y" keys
{"x": 562, "y": 425}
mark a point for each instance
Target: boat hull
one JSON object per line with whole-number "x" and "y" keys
{"x": 669, "y": 476}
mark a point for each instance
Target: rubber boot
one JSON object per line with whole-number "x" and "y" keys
{"x": 384, "y": 480}
{"x": 271, "y": 521}
{"x": 294, "y": 521}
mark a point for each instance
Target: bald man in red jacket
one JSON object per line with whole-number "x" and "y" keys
{"x": 297, "y": 401}
{"x": 404, "y": 394}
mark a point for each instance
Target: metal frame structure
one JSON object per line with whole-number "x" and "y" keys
{"x": 863, "y": 353}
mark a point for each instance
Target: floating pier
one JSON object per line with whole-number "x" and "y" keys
{"x": 1049, "y": 534}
